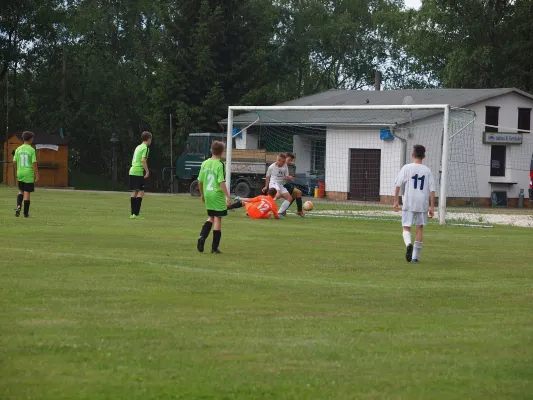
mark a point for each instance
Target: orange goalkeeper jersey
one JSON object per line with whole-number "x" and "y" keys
{"x": 260, "y": 207}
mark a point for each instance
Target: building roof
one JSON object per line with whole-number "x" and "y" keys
{"x": 337, "y": 97}
{"x": 43, "y": 138}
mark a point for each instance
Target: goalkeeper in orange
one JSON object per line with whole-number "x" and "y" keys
{"x": 259, "y": 207}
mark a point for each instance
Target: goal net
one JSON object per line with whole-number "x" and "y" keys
{"x": 347, "y": 158}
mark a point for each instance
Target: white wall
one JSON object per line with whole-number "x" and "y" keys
{"x": 302, "y": 149}
{"x": 247, "y": 141}
{"x": 518, "y": 157}
{"x": 339, "y": 141}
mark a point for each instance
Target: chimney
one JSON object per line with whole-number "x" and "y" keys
{"x": 378, "y": 81}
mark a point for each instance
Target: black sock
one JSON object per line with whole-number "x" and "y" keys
{"x": 26, "y": 207}
{"x": 216, "y": 239}
{"x": 237, "y": 204}
{"x": 139, "y": 201}
{"x": 20, "y": 197}
{"x": 206, "y": 229}
{"x": 133, "y": 202}
{"x": 299, "y": 204}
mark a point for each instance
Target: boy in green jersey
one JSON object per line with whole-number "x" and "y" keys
{"x": 25, "y": 161}
{"x": 138, "y": 173}
{"x": 215, "y": 195}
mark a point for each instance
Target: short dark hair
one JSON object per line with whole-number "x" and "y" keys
{"x": 282, "y": 155}
{"x": 217, "y": 148}
{"x": 291, "y": 155}
{"x": 272, "y": 192}
{"x": 145, "y": 136}
{"x": 27, "y": 135}
{"x": 419, "y": 151}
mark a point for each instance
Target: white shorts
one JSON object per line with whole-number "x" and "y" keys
{"x": 279, "y": 187}
{"x": 414, "y": 218}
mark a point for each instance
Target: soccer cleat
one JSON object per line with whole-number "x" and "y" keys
{"x": 409, "y": 253}
{"x": 27, "y": 216}
{"x": 200, "y": 244}
{"x": 133, "y": 216}
{"x": 280, "y": 216}
{"x": 216, "y": 251}
{"x": 284, "y": 213}
{"x": 236, "y": 198}
{"x": 414, "y": 260}
{"x": 17, "y": 212}
{"x": 301, "y": 213}
{"x": 139, "y": 217}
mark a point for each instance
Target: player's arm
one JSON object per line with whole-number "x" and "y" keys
{"x": 431, "y": 195}
{"x": 267, "y": 179}
{"x": 275, "y": 211}
{"x": 400, "y": 180}
{"x": 431, "y": 204}
{"x": 396, "y": 198}
{"x": 145, "y": 166}
{"x": 224, "y": 188}
{"x": 35, "y": 171}
{"x": 34, "y": 166}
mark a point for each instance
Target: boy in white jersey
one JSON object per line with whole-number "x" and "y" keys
{"x": 417, "y": 185}
{"x": 276, "y": 176}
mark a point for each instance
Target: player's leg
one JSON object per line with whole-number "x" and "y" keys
{"x": 28, "y": 188}
{"x": 407, "y": 221}
{"x": 20, "y": 198}
{"x": 139, "y": 200}
{"x": 204, "y": 233}
{"x": 236, "y": 204}
{"x": 421, "y": 220}
{"x": 133, "y": 203}
{"x": 217, "y": 235}
{"x": 297, "y": 195}
{"x": 287, "y": 202}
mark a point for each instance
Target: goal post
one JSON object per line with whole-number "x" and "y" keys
{"x": 324, "y": 135}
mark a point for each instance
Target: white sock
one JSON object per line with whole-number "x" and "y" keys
{"x": 407, "y": 238}
{"x": 416, "y": 251}
{"x": 284, "y": 206}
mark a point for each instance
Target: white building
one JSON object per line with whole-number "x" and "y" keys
{"x": 345, "y": 149}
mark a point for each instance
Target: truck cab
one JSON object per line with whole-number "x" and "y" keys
{"x": 197, "y": 149}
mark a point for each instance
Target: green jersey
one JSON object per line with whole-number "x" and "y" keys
{"x": 141, "y": 151}
{"x": 212, "y": 174}
{"x": 24, "y": 157}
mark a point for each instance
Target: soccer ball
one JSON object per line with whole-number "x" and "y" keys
{"x": 308, "y": 206}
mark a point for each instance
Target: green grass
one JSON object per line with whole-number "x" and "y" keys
{"x": 96, "y": 306}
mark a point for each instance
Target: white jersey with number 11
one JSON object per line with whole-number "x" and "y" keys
{"x": 416, "y": 183}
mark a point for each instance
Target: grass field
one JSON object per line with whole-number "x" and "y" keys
{"x": 96, "y": 306}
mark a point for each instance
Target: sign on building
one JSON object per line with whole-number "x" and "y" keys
{"x": 502, "y": 138}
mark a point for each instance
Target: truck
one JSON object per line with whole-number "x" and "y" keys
{"x": 248, "y": 167}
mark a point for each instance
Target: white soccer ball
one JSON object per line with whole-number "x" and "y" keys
{"x": 308, "y": 206}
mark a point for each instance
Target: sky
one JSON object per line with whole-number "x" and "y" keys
{"x": 412, "y": 4}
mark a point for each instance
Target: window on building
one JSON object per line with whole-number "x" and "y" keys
{"x": 497, "y": 160}
{"x": 524, "y": 119}
{"x": 491, "y": 118}
{"x": 318, "y": 156}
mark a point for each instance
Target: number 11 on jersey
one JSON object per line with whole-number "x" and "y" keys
{"x": 416, "y": 179}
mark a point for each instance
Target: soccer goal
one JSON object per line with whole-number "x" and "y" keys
{"x": 347, "y": 157}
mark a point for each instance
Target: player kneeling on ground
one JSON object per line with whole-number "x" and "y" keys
{"x": 416, "y": 183}
{"x": 259, "y": 207}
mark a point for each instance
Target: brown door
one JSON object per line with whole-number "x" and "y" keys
{"x": 364, "y": 174}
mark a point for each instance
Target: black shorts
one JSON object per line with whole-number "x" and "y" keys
{"x": 136, "y": 182}
{"x": 215, "y": 213}
{"x": 289, "y": 187}
{"x": 27, "y": 187}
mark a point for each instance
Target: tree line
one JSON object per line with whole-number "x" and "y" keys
{"x": 94, "y": 68}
